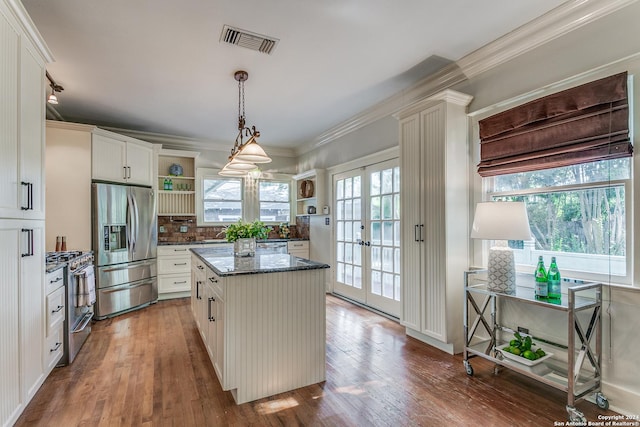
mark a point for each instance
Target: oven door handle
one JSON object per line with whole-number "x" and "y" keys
{"x": 85, "y": 321}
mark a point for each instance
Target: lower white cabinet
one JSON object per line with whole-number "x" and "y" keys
{"x": 22, "y": 320}
{"x": 55, "y": 312}
{"x": 174, "y": 271}
{"x": 299, "y": 248}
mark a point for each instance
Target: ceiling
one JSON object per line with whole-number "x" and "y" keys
{"x": 159, "y": 66}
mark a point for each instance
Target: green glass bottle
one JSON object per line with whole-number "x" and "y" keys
{"x": 553, "y": 281}
{"x": 540, "y": 274}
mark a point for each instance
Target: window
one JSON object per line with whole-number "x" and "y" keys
{"x": 222, "y": 199}
{"x": 577, "y": 213}
{"x": 275, "y": 201}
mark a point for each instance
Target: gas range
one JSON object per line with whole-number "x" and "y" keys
{"x": 73, "y": 259}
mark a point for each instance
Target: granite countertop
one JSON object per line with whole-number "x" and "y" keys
{"x": 215, "y": 241}
{"x": 223, "y": 263}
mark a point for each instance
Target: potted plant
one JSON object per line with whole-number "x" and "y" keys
{"x": 244, "y": 235}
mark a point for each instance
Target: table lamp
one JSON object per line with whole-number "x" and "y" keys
{"x": 501, "y": 221}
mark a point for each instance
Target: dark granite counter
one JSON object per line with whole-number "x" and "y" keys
{"x": 223, "y": 263}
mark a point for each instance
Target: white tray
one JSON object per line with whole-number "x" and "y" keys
{"x": 522, "y": 360}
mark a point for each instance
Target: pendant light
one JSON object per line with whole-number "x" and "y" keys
{"x": 244, "y": 155}
{"x": 53, "y": 99}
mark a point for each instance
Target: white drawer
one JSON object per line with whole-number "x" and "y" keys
{"x": 174, "y": 265}
{"x": 174, "y": 283}
{"x": 53, "y": 348}
{"x": 54, "y": 280}
{"x": 173, "y": 250}
{"x": 55, "y": 310}
{"x": 298, "y": 245}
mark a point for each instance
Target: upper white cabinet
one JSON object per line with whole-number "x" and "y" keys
{"x": 117, "y": 158}
{"x": 310, "y": 193}
{"x": 435, "y": 209}
{"x": 21, "y": 123}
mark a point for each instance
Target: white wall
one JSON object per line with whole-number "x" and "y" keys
{"x": 68, "y": 185}
{"x": 606, "y": 43}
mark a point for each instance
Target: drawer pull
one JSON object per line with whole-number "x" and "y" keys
{"x": 213, "y": 280}
{"x": 179, "y": 283}
{"x": 200, "y": 267}
{"x": 298, "y": 244}
{"x": 179, "y": 263}
{"x": 179, "y": 250}
{"x": 58, "y": 344}
{"x": 60, "y": 307}
{"x": 57, "y": 280}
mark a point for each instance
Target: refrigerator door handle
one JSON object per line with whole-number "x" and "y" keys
{"x": 129, "y": 226}
{"x": 136, "y": 222}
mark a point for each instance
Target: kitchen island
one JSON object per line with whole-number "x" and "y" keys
{"x": 262, "y": 320}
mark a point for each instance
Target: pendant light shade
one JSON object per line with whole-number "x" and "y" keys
{"x": 230, "y": 172}
{"x": 239, "y": 165}
{"x": 252, "y": 152}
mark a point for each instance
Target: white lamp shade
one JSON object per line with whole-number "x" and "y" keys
{"x": 230, "y": 172}
{"x": 239, "y": 165}
{"x": 252, "y": 152}
{"x": 53, "y": 99}
{"x": 501, "y": 221}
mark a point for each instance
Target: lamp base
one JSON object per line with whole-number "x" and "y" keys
{"x": 502, "y": 270}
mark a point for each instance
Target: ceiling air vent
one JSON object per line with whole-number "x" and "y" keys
{"x": 248, "y": 39}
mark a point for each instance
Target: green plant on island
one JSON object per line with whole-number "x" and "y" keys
{"x": 246, "y": 230}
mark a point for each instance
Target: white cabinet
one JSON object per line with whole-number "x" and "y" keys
{"x": 298, "y": 248}
{"x": 435, "y": 209}
{"x": 22, "y": 324}
{"x": 22, "y": 316}
{"x": 174, "y": 271}
{"x": 53, "y": 347}
{"x": 21, "y": 125}
{"x": 117, "y": 158}
{"x": 310, "y": 192}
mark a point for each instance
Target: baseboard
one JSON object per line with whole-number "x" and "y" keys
{"x": 173, "y": 295}
{"x": 622, "y": 400}
{"x": 447, "y": 348}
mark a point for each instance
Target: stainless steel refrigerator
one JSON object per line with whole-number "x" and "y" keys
{"x": 124, "y": 239}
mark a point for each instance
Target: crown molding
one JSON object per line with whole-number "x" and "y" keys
{"x": 449, "y": 96}
{"x": 30, "y": 29}
{"x": 184, "y": 143}
{"x": 555, "y": 23}
{"x": 70, "y": 126}
{"x": 443, "y": 79}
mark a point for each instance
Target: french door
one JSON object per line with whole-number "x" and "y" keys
{"x": 367, "y": 236}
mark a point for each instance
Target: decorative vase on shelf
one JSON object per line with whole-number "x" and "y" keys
{"x": 245, "y": 247}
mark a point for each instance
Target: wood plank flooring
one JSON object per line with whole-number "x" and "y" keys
{"x": 149, "y": 368}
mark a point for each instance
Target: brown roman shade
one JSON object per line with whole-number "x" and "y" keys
{"x": 579, "y": 125}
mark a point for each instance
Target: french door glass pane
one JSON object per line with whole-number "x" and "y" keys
{"x": 376, "y": 283}
{"x": 357, "y": 186}
{"x": 375, "y": 184}
{"x": 387, "y": 181}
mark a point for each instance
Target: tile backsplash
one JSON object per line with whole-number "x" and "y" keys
{"x": 193, "y": 233}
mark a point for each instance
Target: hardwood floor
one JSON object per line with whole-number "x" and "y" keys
{"x": 149, "y": 367}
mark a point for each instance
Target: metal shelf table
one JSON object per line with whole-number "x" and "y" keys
{"x": 582, "y": 305}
